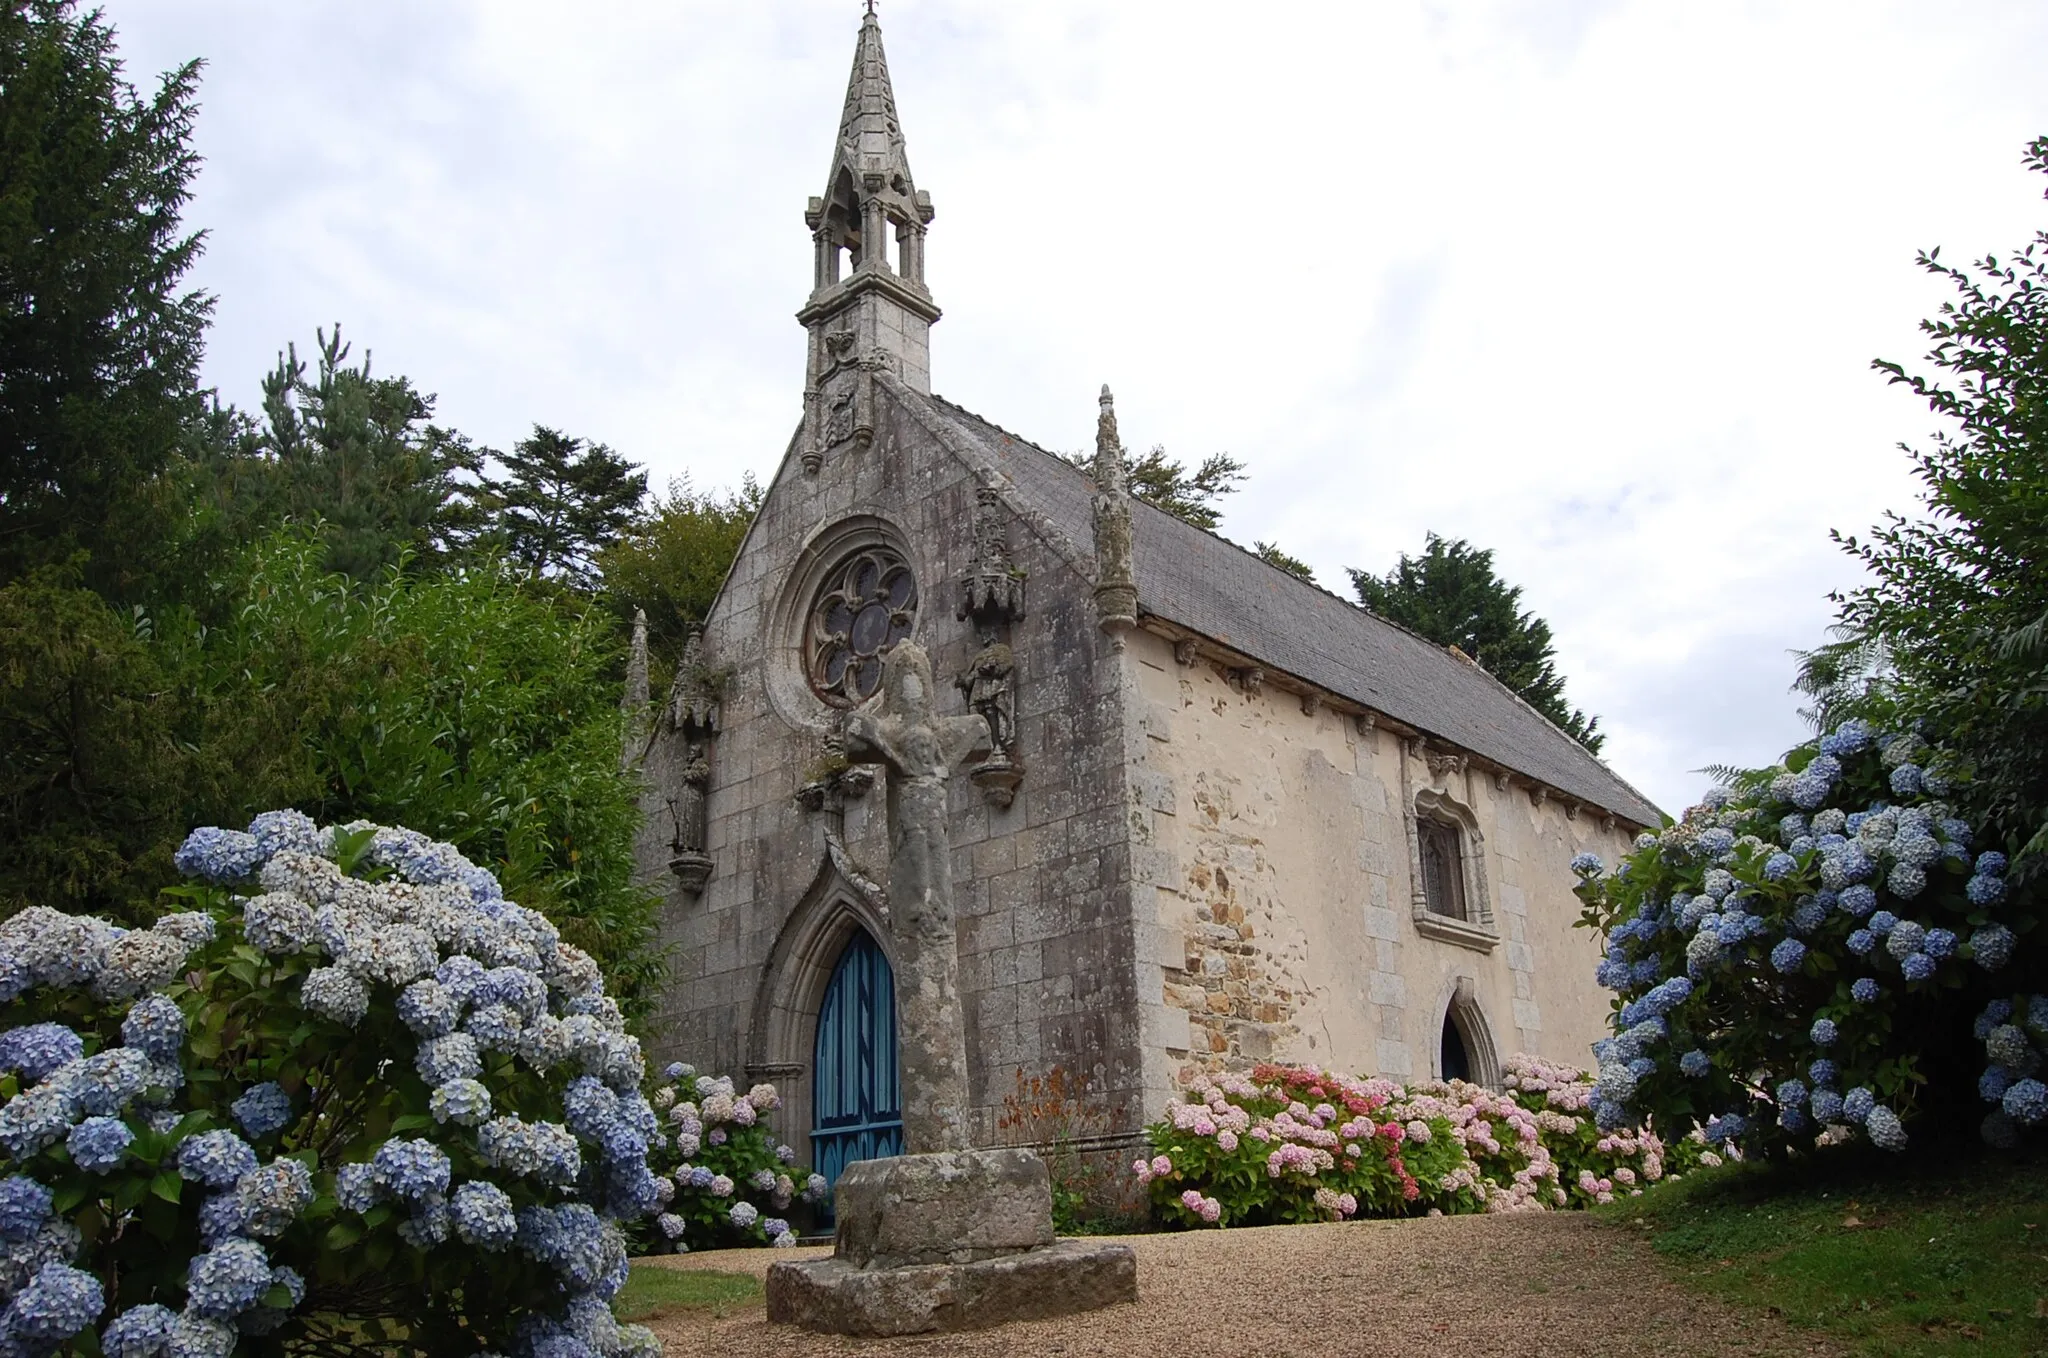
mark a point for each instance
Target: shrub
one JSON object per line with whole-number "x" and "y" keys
{"x": 1251, "y": 1150}
{"x": 1801, "y": 952}
{"x": 366, "y": 1105}
{"x": 734, "y": 1183}
{"x": 1053, "y": 1115}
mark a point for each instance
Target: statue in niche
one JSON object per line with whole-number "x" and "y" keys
{"x": 986, "y": 686}
{"x": 689, "y": 860}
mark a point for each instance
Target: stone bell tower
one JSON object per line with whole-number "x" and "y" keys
{"x": 869, "y": 308}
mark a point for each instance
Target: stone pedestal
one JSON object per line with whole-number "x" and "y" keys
{"x": 957, "y": 1240}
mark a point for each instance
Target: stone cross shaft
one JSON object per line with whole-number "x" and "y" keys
{"x": 920, "y": 750}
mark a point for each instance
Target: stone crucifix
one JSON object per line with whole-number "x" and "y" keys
{"x": 920, "y": 750}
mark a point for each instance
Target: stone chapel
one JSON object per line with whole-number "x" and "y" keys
{"x": 1224, "y": 815}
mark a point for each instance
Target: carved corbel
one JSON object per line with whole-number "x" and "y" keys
{"x": 1444, "y": 765}
{"x": 1311, "y": 703}
{"x": 1500, "y": 780}
{"x": 1184, "y": 652}
{"x": 1368, "y": 722}
{"x": 1538, "y": 795}
{"x": 1607, "y": 822}
{"x": 1571, "y": 810}
{"x": 1253, "y": 678}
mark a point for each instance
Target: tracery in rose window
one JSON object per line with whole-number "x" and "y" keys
{"x": 866, "y": 605}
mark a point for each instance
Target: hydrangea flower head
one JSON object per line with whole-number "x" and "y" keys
{"x": 1992, "y": 946}
{"x": 263, "y": 1109}
{"x": 1857, "y": 1103}
{"x": 58, "y": 1303}
{"x": 99, "y": 1144}
{"x": 1823, "y": 1033}
{"x": 2026, "y": 1102}
{"x": 227, "y": 1280}
{"x": 1984, "y": 890}
{"x": 219, "y": 856}
{"x": 1865, "y": 989}
{"x": 1788, "y": 955}
{"x": 1884, "y": 1129}
{"x": 215, "y": 1159}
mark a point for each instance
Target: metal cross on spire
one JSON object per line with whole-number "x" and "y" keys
{"x": 871, "y": 8}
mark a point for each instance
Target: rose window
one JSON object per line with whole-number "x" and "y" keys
{"x": 866, "y": 606}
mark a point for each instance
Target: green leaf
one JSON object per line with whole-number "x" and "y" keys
{"x": 167, "y": 1186}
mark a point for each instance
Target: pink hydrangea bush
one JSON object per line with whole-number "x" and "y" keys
{"x": 1503, "y": 1165}
{"x": 1293, "y": 1144}
{"x": 1283, "y": 1144}
{"x": 734, "y": 1183}
{"x": 1593, "y": 1165}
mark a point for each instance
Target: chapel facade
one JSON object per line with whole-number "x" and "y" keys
{"x": 1225, "y": 816}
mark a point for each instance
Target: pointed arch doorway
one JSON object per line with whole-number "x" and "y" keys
{"x": 857, "y": 1100}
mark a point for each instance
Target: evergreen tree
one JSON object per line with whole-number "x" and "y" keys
{"x": 99, "y": 346}
{"x": 1189, "y": 494}
{"x": 1272, "y": 555}
{"x": 359, "y": 454}
{"x": 562, "y": 502}
{"x": 1451, "y": 595}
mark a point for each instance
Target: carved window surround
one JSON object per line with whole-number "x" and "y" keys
{"x": 1443, "y": 798}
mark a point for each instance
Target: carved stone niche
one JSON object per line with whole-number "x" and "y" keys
{"x": 692, "y": 716}
{"x": 992, "y": 596}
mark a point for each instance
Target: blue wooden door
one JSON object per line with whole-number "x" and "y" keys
{"x": 858, "y": 1102}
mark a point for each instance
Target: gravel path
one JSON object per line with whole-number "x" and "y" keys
{"x": 1550, "y": 1284}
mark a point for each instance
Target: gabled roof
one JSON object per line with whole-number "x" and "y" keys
{"x": 1214, "y": 588}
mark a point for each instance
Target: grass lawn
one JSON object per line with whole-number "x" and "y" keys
{"x": 1924, "y": 1253}
{"x": 653, "y": 1292}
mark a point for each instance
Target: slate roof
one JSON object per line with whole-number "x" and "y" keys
{"x": 1215, "y": 588}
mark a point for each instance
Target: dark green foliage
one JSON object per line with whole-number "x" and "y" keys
{"x": 98, "y": 345}
{"x": 673, "y": 562}
{"x": 1451, "y": 595}
{"x": 1186, "y": 494}
{"x": 1959, "y": 599}
{"x": 457, "y": 704}
{"x": 1270, "y": 553}
{"x": 562, "y": 502}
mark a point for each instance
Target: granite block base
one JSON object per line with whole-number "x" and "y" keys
{"x": 834, "y": 1296}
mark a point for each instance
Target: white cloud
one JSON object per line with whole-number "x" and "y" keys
{"x": 1596, "y": 286}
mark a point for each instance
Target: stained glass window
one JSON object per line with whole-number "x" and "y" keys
{"x": 867, "y": 605}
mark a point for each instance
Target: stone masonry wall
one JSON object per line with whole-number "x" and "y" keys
{"x": 1273, "y": 842}
{"x": 1042, "y": 888}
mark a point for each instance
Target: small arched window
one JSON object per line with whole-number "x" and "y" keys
{"x": 1441, "y": 848}
{"x": 1455, "y": 1063}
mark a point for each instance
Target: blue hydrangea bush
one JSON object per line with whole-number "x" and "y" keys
{"x": 734, "y": 1183}
{"x": 349, "y": 1099}
{"x": 1798, "y": 957}
{"x": 2015, "y": 1037}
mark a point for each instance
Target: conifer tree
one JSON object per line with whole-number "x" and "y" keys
{"x": 563, "y": 501}
{"x": 99, "y": 342}
{"x": 1451, "y": 595}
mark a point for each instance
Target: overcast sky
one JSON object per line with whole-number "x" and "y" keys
{"x": 1596, "y": 285}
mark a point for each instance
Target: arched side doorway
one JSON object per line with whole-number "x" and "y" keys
{"x": 1466, "y": 1049}
{"x": 857, "y": 1100}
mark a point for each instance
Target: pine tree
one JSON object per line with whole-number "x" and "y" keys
{"x": 1451, "y": 595}
{"x": 563, "y": 501}
{"x": 359, "y": 454}
{"x": 99, "y": 347}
